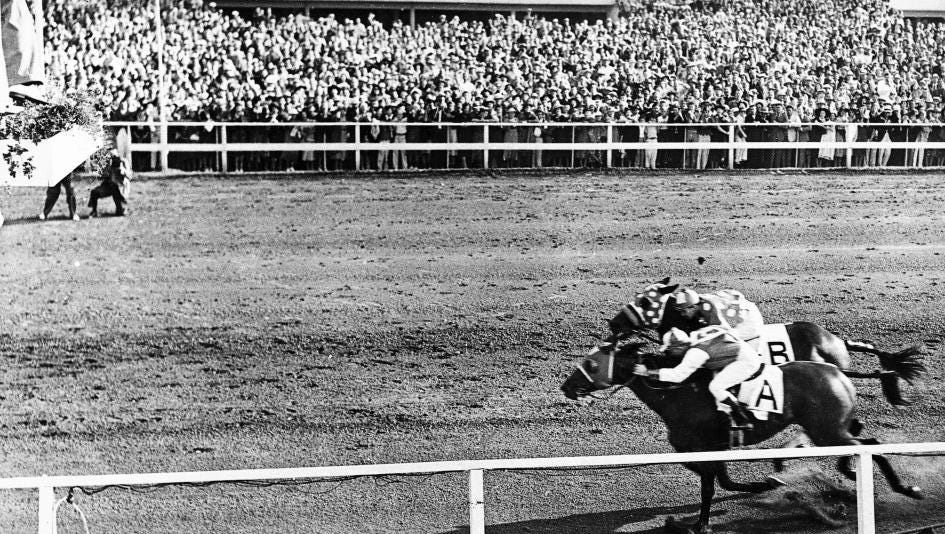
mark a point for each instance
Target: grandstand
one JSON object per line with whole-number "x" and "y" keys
{"x": 706, "y": 62}
{"x": 412, "y": 10}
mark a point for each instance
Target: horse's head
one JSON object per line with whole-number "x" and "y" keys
{"x": 602, "y": 368}
{"x": 646, "y": 310}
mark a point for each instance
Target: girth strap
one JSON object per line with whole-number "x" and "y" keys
{"x": 756, "y": 374}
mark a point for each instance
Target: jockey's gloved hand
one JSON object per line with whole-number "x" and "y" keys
{"x": 640, "y": 369}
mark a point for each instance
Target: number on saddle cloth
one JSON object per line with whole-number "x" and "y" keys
{"x": 764, "y": 392}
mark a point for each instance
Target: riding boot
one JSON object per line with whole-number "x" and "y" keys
{"x": 740, "y": 418}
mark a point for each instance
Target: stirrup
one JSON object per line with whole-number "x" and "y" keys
{"x": 736, "y": 435}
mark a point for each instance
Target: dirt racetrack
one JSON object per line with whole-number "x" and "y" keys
{"x": 234, "y": 323}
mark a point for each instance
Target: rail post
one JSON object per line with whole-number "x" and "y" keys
{"x": 849, "y": 151}
{"x": 610, "y": 148}
{"x": 357, "y": 146}
{"x": 477, "y": 507}
{"x": 731, "y": 149}
{"x": 485, "y": 146}
{"x": 47, "y": 510}
{"x": 164, "y": 149}
{"x": 224, "y": 166}
{"x": 865, "y": 514}
{"x": 573, "y": 137}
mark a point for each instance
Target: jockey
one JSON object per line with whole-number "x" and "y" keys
{"x": 727, "y": 309}
{"x": 702, "y": 311}
{"x": 717, "y": 349}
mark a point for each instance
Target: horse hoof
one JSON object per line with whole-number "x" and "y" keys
{"x": 915, "y": 492}
{"x": 774, "y": 482}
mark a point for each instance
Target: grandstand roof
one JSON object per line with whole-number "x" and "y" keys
{"x": 594, "y": 6}
{"x": 920, "y": 8}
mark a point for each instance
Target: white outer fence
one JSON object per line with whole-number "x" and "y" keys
{"x": 476, "y": 468}
{"x": 607, "y": 142}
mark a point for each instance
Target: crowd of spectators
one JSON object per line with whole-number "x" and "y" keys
{"x": 783, "y": 61}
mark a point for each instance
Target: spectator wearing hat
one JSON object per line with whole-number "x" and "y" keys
{"x": 718, "y": 158}
{"x": 398, "y": 154}
{"x": 384, "y": 136}
{"x": 844, "y": 132}
{"x": 781, "y": 157}
{"x": 704, "y": 136}
{"x": 755, "y": 130}
{"x": 824, "y": 131}
{"x": 806, "y": 157}
{"x": 936, "y": 157}
{"x": 881, "y": 126}
{"x": 919, "y": 134}
{"x": 650, "y": 132}
{"x": 863, "y": 134}
{"x": 741, "y": 152}
{"x": 898, "y": 133}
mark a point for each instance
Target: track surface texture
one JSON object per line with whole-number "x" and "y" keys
{"x": 234, "y": 323}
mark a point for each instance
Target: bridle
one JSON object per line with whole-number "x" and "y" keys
{"x": 610, "y": 362}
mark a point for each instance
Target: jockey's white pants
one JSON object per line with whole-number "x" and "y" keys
{"x": 749, "y": 327}
{"x": 731, "y": 375}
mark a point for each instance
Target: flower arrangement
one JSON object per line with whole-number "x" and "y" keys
{"x": 41, "y": 121}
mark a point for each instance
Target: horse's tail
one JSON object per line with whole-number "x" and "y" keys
{"x": 906, "y": 363}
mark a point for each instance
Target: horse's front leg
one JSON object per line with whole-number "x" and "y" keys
{"x": 707, "y": 478}
{"x": 708, "y": 492}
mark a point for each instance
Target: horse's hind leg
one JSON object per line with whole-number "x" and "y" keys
{"x": 891, "y": 476}
{"x": 728, "y": 484}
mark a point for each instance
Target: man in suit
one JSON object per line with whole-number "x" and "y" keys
{"x": 22, "y": 42}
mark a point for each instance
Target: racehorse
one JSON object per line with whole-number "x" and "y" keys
{"x": 817, "y": 396}
{"x": 810, "y": 342}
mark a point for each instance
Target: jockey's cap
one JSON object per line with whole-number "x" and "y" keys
{"x": 675, "y": 339}
{"x": 687, "y": 297}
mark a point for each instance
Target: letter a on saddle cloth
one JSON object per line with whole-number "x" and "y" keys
{"x": 763, "y": 393}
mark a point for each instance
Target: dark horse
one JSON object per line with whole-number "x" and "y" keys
{"x": 817, "y": 396}
{"x": 809, "y": 341}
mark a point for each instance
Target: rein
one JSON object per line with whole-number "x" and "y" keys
{"x": 647, "y": 382}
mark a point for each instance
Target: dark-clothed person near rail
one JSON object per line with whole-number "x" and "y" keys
{"x": 116, "y": 181}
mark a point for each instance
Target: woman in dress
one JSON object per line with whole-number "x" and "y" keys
{"x": 828, "y": 135}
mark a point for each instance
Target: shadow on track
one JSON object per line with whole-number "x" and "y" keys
{"x": 613, "y": 521}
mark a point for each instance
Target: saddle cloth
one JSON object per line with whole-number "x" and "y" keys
{"x": 775, "y": 346}
{"x": 764, "y": 393}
